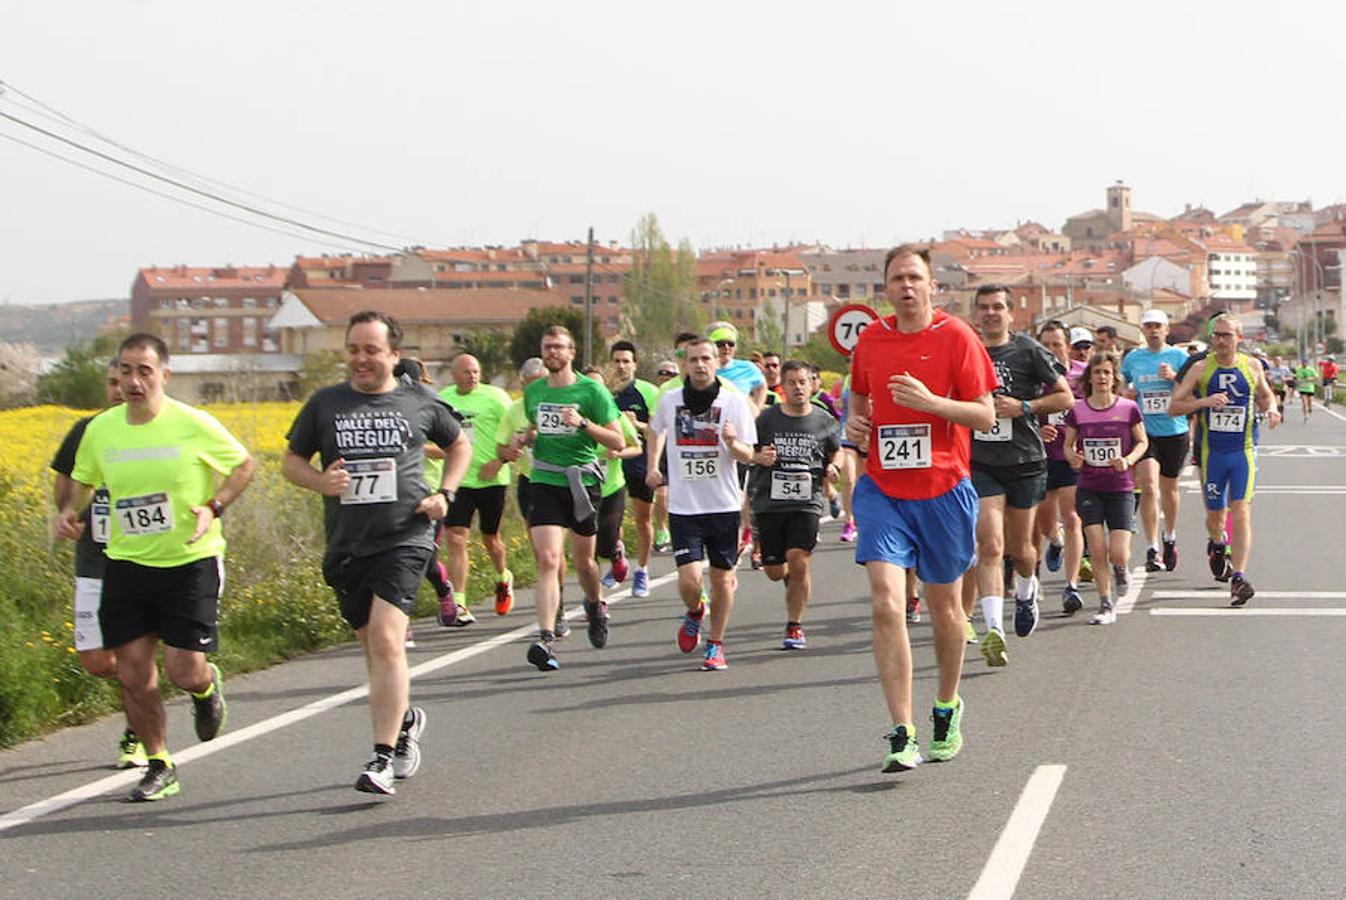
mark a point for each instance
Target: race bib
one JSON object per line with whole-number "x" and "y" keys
{"x": 1155, "y": 403}
{"x": 1230, "y": 419}
{"x": 100, "y": 515}
{"x": 372, "y": 481}
{"x": 145, "y": 515}
{"x": 791, "y": 485}
{"x": 469, "y": 429}
{"x": 1001, "y": 431}
{"x": 699, "y": 465}
{"x": 904, "y": 446}
{"x": 550, "y": 418}
{"x": 1057, "y": 418}
{"x": 1101, "y": 451}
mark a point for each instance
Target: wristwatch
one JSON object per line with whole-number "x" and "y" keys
{"x": 584, "y": 423}
{"x": 1028, "y": 410}
{"x": 216, "y": 507}
{"x": 448, "y": 495}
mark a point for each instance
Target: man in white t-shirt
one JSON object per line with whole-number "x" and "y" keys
{"x": 706, "y": 429}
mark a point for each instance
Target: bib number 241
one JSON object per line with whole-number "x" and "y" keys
{"x": 904, "y": 446}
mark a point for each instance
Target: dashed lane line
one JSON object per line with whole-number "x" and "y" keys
{"x": 1000, "y": 876}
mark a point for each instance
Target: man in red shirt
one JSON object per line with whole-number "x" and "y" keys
{"x": 920, "y": 380}
{"x": 1327, "y": 377}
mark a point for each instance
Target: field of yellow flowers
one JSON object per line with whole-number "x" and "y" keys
{"x": 275, "y": 603}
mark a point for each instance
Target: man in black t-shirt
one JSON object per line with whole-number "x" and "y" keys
{"x": 89, "y": 562}
{"x": 1009, "y": 470}
{"x": 378, "y": 515}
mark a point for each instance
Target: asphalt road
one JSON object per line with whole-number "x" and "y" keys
{"x": 1188, "y": 751}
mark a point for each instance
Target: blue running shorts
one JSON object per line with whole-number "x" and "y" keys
{"x": 937, "y": 536}
{"x": 1227, "y": 477}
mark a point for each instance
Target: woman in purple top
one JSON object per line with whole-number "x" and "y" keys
{"x": 1105, "y": 437}
{"x": 1057, "y": 522}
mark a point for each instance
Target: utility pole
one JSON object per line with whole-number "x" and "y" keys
{"x": 589, "y": 300}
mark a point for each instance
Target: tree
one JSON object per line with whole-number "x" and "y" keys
{"x": 659, "y": 296}
{"x": 319, "y": 369}
{"x": 18, "y": 375}
{"x": 491, "y": 348}
{"x": 527, "y": 339}
{"x": 77, "y": 380}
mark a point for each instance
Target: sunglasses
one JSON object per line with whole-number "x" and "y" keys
{"x": 668, "y": 374}
{"x": 725, "y": 344}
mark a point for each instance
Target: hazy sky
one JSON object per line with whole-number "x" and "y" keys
{"x": 453, "y": 122}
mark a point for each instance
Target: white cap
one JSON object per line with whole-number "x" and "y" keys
{"x": 1154, "y": 316}
{"x": 1080, "y": 335}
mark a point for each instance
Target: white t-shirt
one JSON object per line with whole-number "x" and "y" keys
{"x": 702, "y": 477}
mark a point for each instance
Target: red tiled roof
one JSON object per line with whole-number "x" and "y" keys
{"x": 202, "y": 277}
{"x": 437, "y": 305}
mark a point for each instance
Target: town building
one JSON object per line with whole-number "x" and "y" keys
{"x": 224, "y": 309}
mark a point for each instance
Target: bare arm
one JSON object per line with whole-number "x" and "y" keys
{"x": 654, "y": 449}
{"x": 1185, "y": 401}
{"x": 330, "y": 482}
{"x": 225, "y": 493}
{"x": 68, "y": 526}
{"x": 1056, "y": 399}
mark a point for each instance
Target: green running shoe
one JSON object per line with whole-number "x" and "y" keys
{"x": 993, "y": 648}
{"x": 211, "y": 712}
{"x": 948, "y": 737}
{"x": 903, "y": 754}
{"x": 159, "y": 781}
{"x": 130, "y": 752}
{"x": 971, "y": 633}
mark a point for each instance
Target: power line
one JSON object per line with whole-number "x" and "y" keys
{"x": 51, "y": 113}
{"x": 166, "y": 196}
{"x": 207, "y": 194}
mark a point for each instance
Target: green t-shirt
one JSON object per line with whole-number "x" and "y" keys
{"x": 515, "y": 421}
{"x": 155, "y": 473}
{"x": 1305, "y": 377}
{"x": 481, "y": 410}
{"x": 616, "y": 477}
{"x": 560, "y": 444}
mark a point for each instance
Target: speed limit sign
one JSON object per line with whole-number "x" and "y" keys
{"x": 847, "y": 323}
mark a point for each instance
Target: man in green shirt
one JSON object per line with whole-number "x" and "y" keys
{"x": 572, "y": 417}
{"x": 170, "y": 470}
{"x": 482, "y": 492}
{"x": 1306, "y": 381}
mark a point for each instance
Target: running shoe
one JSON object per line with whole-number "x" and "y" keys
{"x": 562, "y": 625}
{"x": 1152, "y": 563}
{"x": 794, "y": 638}
{"x": 1071, "y": 602}
{"x": 1122, "y": 578}
{"x": 834, "y": 507}
{"x": 407, "y": 754}
{"x": 159, "y": 781}
{"x": 662, "y": 540}
{"x": 540, "y": 655}
{"x": 130, "y": 751}
{"x": 714, "y": 658}
{"x": 377, "y": 777}
{"x": 1240, "y": 590}
{"x": 1170, "y": 555}
{"x": 1026, "y": 611}
{"x": 848, "y": 533}
{"x": 913, "y": 611}
{"x": 448, "y": 612}
{"x": 947, "y": 739}
{"x": 903, "y": 754}
{"x": 1086, "y": 569}
{"x": 1055, "y": 552}
{"x": 993, "y": 649}
{"x": 1106, "y": 615}
{"x": 504, "y": 595}
{"x": 1218, "y": 557}
{"x": 211, "y": 712}
{"x": 463, "y": 616}
{"x": 756, "y": 560}
{"x": 640, "y": 583}
{"x": 689, "y": 632}
{"x": 410, "y": 640}
{"x": 971, "y": 632}
{"x": 596, "y": 611}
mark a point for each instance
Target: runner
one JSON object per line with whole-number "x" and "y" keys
{"x": 920, "y": 380}
{"x": 162, "y": 462}
{"x": 1224, "y": 390}
{"x": 771, "y": 369}
{"x": 1281, "y": 375}
{"x": 849, "y": 461}
{"x": 481, "y": 493}
{"x": 1327, "y": 371}
{"x": 90, "y": 561}
{"x": 1009, "y": 471}
{"x": 572, "y": 417}
{"x": 744, "y": 375}
{"x": 1106, "y": 340}
{"x": 1306, "y": 384}
{"x": 710, "y": 427}
{"x": 378, "y": 515}
{"x": 636, "y": 399}
{"x": 1151, "y": 373}
{"x": 612, "y": 496}
{"x": 1105, "y": 437}
{"x": 1057, "y": 521}
{"x": 797, "y": 443}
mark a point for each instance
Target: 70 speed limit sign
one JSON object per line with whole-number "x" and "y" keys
{"x": 846, "y": 325}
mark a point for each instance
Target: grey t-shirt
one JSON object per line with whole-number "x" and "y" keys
{"x": 381, "y": 437}
{"x": 804, "y": 446}
{"x": 89, "y": 556}
{"x": 1024, "y": 369}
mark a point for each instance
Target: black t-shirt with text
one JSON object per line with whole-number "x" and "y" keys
{"x": 1024, "y": 369}
{"x": 804, "y": 446}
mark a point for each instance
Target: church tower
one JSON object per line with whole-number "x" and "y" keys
{"x": 1119, "y": 207}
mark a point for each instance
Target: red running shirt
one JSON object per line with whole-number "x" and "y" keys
{"x": 915, "y": 455}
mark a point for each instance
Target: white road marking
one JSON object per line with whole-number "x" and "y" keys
{"x": 1002, "y": 871}
{"x": 1261, "y": 595}
{"x": 1301, "y": 489}
{"x": 199, "y": 751}
{"x": 1238, "y": 612}
{"x": 1127, "y": 601}
{"x": 1300, "y": 451}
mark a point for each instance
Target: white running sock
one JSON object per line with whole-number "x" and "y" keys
{"x": 1025, "y": 588}
{"x": 1170, "y": 535}
{"x": 993, "y": 613}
